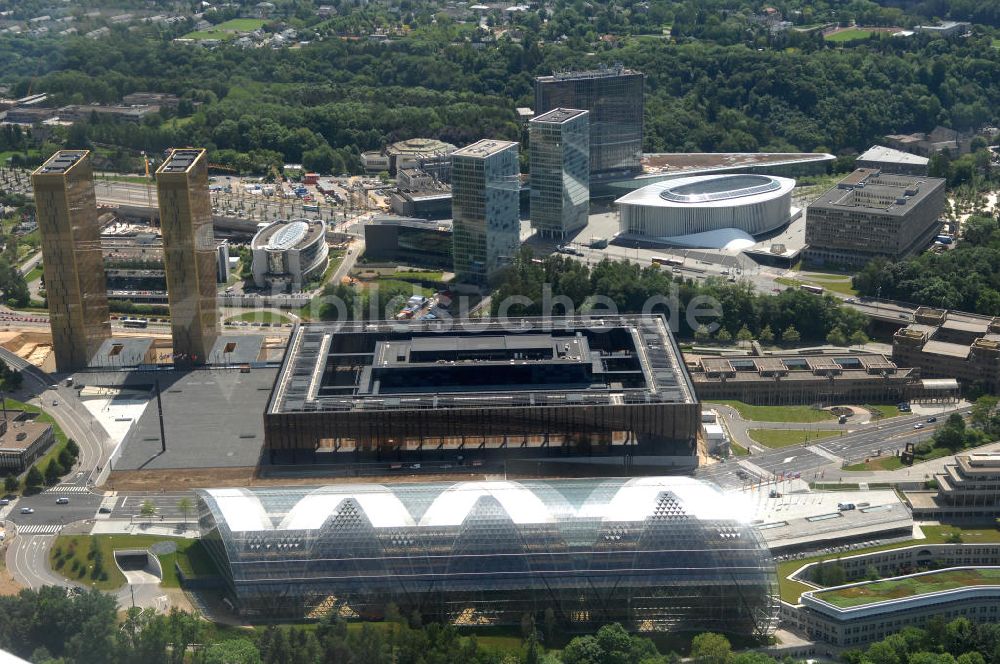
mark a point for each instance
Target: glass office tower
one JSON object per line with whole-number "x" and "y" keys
{"x": 614, "y": 97}
{"x": 654, "y": 553}
{"x": 485, "y": 188}
{"x": 560, "y": 172}
{"x": 75, "y": 283}
{"x": 189, "y": 253}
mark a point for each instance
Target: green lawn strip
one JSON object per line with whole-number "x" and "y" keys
{"x": 242, "y": 24}
{"x": 190, "y": 556}
{"x": 921, "y": 585}
{"x": 260, "y": 317}
{"x": 33, "y": 274}
{"x": 803, "y": 414}
{"x": 414, "y": 275}
{"x": 737, "y": 449}
{"x": 787, "y": 437}
{"x": 880, "y": 463}
{"x": 790, "y": 590}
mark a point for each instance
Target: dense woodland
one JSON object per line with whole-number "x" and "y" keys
{"x": 625, "y": 287}
{"x": 723, "y": 82}
{"x": 965, "y": 278}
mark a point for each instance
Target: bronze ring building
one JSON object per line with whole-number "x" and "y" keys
{"x": 663, "y": 554}
{"x": 577, "y": 396}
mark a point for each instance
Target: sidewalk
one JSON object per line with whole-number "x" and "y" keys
{"x": 916, "y": 473}
{"x": 160, "y": 528}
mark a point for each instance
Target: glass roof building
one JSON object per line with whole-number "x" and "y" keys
{"x": 654, "y": 553}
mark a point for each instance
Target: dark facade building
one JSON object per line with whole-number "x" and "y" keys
{"x": 658, "y": 554}
{"x": 189, "y": 253}
{"x": 409, "y": 241}
{"x": 71, "y": 249}
{"x": 538, "y": 392}
{"x": 615, "y": 98}
{"x": 871, "y": 214}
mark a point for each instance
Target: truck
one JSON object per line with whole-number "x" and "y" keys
{"x": 598, "y": 242}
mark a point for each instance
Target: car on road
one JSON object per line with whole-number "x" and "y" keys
{"x": 846, "y": 507}
{"x": 4, "y": 502}
{"x": 27, "y": 510}
{"x": 918, "y": 425}
{"x": 931, "y": 420}
{"x": 104, "y": 510}
{"x": 62, "y": 501}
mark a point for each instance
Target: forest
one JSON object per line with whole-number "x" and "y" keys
{"x": 625, "y": 287}
{"x": 965, "y": 278}
{"x": 721, "y": 83}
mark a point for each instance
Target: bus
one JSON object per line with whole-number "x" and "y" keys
{"x": 809, "y": 288}
{"x": 135, "y": 322}
{"x": 663, "y": 260}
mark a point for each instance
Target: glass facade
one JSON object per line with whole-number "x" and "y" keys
{"x": 614, "y": 97}
{"x": 189, "y": 253}
{"x": 655, "y": 553}
{"x": 560, "y": 172}
{"x": 484, "y": 201}
{"x": 74, "y": 266}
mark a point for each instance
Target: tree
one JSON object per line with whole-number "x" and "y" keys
{"x": 235, "y": 651}
{"x": 34, "y": 478}
{"x": 836, "y": 337}
{"x": 790, "y": 335}
{"x": 73, "y": 448}
{"x": 710, "y": 648}
{"x": 11, "y": 484}
{"x": 859, "y": 338}
{"x": 184, "y": 506}
{"x": 147, "y": 509}
{"x": 766, "y": 335}
{"x": 744, "y": 336}
{"x": 53, "y": 471}
{"x": 723, "y": 336}
{"x": 702, "y": 334}
{"x": 982, "y": 410}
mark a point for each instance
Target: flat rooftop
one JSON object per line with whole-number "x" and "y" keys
{"x": 697, "y": 162}
{"x": 61, "y": 162}
{"x": 530, "y": 361}
{"x": 180, "y": 161}
{"x": 868, "y": 190}
{"x": 558, "y": 116}
{"x": 13, "y": 442}
{"x": 604, "y": 72}
{"x": 484, "y": 148}
{"x": 947, "y": 349}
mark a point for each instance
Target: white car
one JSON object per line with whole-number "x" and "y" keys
{"x": 918, "y": 425}
{"x": 27, "y": 510}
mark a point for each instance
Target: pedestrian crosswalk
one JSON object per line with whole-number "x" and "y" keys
{"x": 38, "y": 529}
{"x": 68, "y": 488}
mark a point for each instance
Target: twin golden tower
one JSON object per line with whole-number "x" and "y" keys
{"x": 74, "y": 268}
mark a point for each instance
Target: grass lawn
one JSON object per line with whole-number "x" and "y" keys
{"x": 779, "y": 413}
{"x": 190, "y": 556}
{"x": 260, "y": 317}
{"x": 848, "y": 35}
{"x": 416, "y": 275}
{"x": 880, "y": 463}
{"x": 786, "y": 437}
{"x": 887, "y": 411}
{"x": 790, "y": 590}
{"x": 879, "y": 591}
{"x": 34, "y": 274}
{"x": 737, "y": 449}
{"x": 228, "y": 29}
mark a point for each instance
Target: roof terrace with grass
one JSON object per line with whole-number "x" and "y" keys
{"x": 911, "y": 591}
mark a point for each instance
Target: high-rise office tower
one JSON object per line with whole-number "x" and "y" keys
{"x": 560, "y": 172}
{"x": 614, "y": 97}
{"x": 71, "y": 249}
{"x": 484, "y": 208}
{"x": 189, "y": 253}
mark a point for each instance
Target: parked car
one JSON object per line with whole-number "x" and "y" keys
{"x": 104, "y": 510}
{"x": 846, "y": 507}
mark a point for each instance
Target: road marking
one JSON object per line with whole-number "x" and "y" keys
{"x": 67, "y": 488}
{"x": 788, "y": 459}
{"x": 38, "y": 529}
{"x": 818, "y": 449}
